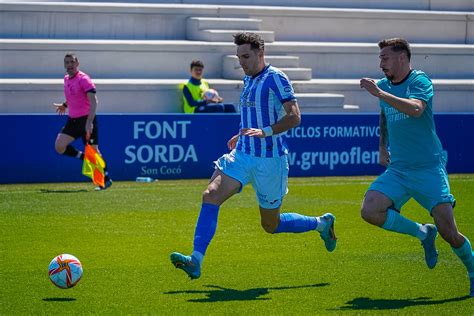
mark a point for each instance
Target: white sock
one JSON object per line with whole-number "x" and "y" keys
{"x": 422, "y": 232}
{"x": 198, "y": 256}
{"x": 321, "y": 224}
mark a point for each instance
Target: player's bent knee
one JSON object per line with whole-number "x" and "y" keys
{"x": 373, "y": 216}
{"x": 372, "y": 210}
{"x": 210, "y": 196}
{"x": 206, "y": 195}
{"x": 366, "y": 214}
{"x": 60, "y": 149}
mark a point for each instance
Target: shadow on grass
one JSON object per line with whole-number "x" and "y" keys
{"x": 365, "y": 303}
{"x": 59, "y": 299}
{"x": 221, "y": 294}
{"x": 62, "y": 191}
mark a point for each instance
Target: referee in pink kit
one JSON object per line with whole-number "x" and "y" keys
{"x": 81, "y": 103}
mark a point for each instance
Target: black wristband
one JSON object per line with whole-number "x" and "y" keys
{"x": 65, "y": 104}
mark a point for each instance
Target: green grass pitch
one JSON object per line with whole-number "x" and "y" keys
{"x": 123, "y": 237}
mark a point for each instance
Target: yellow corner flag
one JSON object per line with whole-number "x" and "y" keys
{"x": 93, "y": 166}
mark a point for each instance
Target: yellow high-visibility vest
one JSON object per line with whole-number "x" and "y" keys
{"x": 196, "y": 92}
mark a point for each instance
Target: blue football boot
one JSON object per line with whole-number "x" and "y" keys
{"x": 186, "y": 263}
{"x": 431, "y": 254}
{"x": 328, "y": 235}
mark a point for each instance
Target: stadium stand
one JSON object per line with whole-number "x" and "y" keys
{"x": 138, "y": 52}
{"x": 440, "y": 5}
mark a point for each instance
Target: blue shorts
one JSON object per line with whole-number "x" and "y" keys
{"x": 269, "y": 176}
{"x": 429, "y": 187}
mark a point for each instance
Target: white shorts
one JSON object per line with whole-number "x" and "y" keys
{"x": 269, "y": 176}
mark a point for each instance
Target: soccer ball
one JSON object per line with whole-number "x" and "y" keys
{"x": 65, "y": 271}
{"x": 210, "y": 94}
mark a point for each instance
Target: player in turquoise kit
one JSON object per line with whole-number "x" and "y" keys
{"x": 414, "y": 157}
{"x": 259, "y": 156}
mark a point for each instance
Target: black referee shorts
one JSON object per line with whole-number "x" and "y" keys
{"x": 76, "y": 127}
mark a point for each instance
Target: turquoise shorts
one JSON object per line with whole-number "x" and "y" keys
{"x": 268, "y": 176}
{"x": 429, "y": 187}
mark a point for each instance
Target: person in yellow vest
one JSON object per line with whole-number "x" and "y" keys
{"x": 193, "y": 94}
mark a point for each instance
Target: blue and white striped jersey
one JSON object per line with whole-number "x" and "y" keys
{"x": 261, "y": 105}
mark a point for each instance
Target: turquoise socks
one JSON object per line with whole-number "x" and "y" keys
{"x": 465, "y": 254}
{"x": 397, "y": 223}
{"x": 295, "y": 223}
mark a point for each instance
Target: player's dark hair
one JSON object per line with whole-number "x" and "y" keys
{"x": 71, "y": 55}
{"x": 255, "y": 40}
{"x": 196, "y": 63}
{"x": 397, "y": 45}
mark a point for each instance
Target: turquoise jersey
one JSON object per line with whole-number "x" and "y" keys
{"x": 413, "y": 142}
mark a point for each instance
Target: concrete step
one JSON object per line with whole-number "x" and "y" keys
{"x": 214, "y": 35}
{"x": 232, "y": 62}
{"x": 451, "y": 95}
{"x": 439, "y": 5}
{"x": 297, "y": 73}
{"x": 320, "y": 102}
{"x": 292, "y": 73}
{"x": 170, "y": 59}
{"x": 231, "y": 68}
{"x": 168, "y": 21}
{"x": 351, "y": 108}
{"x": 218, "y": 29}
{"x": 219, "y": 23}
{"x": 163, "y": 96}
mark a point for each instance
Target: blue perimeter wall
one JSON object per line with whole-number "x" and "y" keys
{"x": 181, "y": 146}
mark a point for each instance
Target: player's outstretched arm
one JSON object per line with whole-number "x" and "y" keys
{"x": 411, "y": 107}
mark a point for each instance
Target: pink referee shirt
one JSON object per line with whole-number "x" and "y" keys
{"x": 75, "y": 90}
